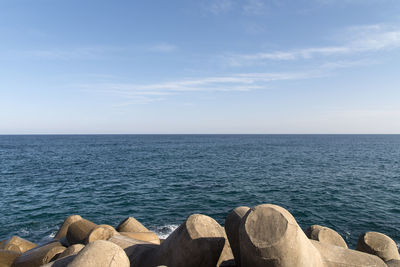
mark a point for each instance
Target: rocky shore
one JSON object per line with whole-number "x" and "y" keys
{"x": 265, "y": 235}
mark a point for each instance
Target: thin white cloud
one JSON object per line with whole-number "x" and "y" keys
{"x": 360, "y": 39}
{"x": 219, "y": 6}
{"x": 146, "y": 93}
{"x": 254, "y": 7}
{"x": 243, "y": 82}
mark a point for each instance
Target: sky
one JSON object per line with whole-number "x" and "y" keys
{"x": 198, "y": 67}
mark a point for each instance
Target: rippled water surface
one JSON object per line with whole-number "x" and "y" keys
{"x": 348, "y": 182}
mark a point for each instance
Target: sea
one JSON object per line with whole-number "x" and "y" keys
{"x": 350, "y": 183}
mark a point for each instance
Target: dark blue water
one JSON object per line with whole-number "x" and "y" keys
{"x": 348, "y": 182}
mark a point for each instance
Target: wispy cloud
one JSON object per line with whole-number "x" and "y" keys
{"x": 358, "y": 39}
{"x": 246, "y": 7}
{"x": 218, "y": 6}
{"x": 235, "y": 82}
{"x": 254, "y": 7}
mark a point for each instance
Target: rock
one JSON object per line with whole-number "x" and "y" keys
{"x": 232, "y": 223}
{"x": 39, "y": 255}
{"x": 197, "y": 242}
{"x": 144, "y": 236}
{"x": 130, "y": 224}
{"x": 101, "y": 232}
{"x": 101, "y": 253}
{"x": 71, "y": 250}
{"x": 125, "y": 241}
{"x": 393, "y": 263}
{"x": 270, "y": 236}
{"x": 17, "y": 244}
{"x": 62, "y": 232}
{"x": 7, "y": 257}
{"x": 325, "y": 235}
{"x": 335, "y": 256}
{"x": 378, "y": 244}
{"x": 78, "y": 231}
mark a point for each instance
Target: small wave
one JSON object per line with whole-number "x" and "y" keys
{"x": 164, "y": 231}
{"x": 47, "y": 238}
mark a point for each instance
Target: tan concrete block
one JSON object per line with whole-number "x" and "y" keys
{"x": 378, "y": 244}
{"x": 62, "y": 232}
{"x": 101, "y": 253}
{"x": 130, "y": 224}
{"x": 144, "y": 236}
{"x": 78, "y": 231}
{"x": 232, "y": 223}
{"x": 17, "y": 244}
{"x": 39, "y": 255}
{"x": 325, "y": 235}
{"x": 270, "y": 236}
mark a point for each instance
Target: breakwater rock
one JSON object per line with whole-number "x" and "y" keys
{"x": 264, "y": 235}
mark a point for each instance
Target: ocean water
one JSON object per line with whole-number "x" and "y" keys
{"x": 350, "y": 183}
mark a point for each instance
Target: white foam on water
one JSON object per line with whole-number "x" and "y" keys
{"x": 47, "y": 238}
{"x": 164, "y": 231}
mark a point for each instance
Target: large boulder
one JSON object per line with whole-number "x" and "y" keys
{"x": 101, "y": 253}
{"x": 232, "y": 223}
{"x": 130, "y": 224}
{"x": 270, "y": 236}
{"x": 39, "y": 255}
{"x": 7, "y": 257}
{"x": 378, "y": 244}
{"x": 62, "y": 232}
{"x": 78, "y": 231}
{"x": 325, "y": 235}
{"x": 18, "y": 244}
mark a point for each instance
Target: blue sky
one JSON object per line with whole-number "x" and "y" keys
{"x": 205, "y": 66}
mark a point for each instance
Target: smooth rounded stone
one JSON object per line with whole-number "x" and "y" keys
{"x": 325, "y": 235}
{"x": 197, "y": 242}
{"x": 7, "y": 257}
{"x": 393, "y": 263}
{"x": 232, "y": 223}
{"x": 71, "y": 250}
{"x": 126, "y": 241}
{"x": 130, "y": 224}
{"x": 378, "y": 244}
{"x": 101, "y": 232}
{"x": 270, "y": 236}
{"x": 18, "y": 244}
{"x": 61, "y": 262}
{"x": 144, "y": 236}
{"x": 78, "y": 231}
{"x": 335, "y": 256}
{"x": 40, "y": 255}
{"x": 62, "y": 232}
{"x": 101, "y": 253}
